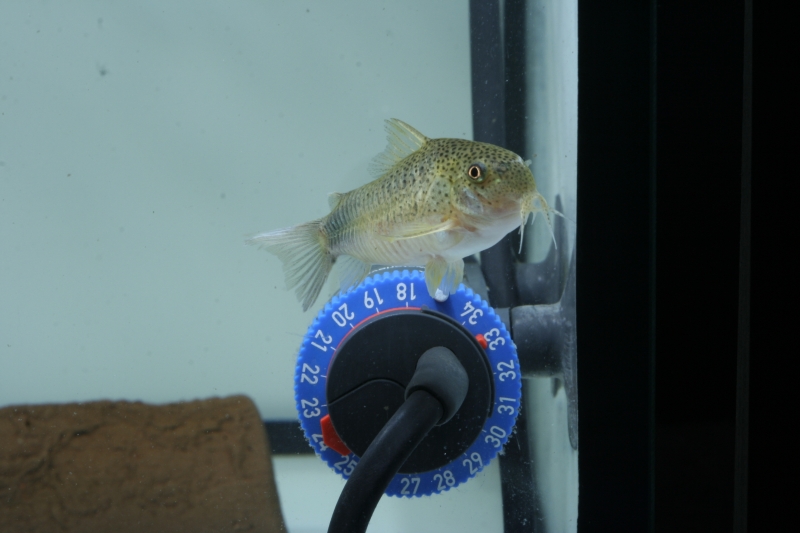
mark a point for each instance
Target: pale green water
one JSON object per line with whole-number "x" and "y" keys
{"x": 141, "y": 141}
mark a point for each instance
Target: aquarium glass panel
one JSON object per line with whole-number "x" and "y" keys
{"x": 142, "y": 143}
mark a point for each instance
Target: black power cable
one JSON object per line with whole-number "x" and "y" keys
{"x": 433, "y": 396}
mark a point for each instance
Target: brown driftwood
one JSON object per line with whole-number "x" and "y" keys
{"x": 130, "y": 467}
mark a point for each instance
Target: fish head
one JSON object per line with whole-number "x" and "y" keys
{"x": 491, "y": 182}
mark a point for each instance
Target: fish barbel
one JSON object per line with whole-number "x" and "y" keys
{"x": 433, "y": 202}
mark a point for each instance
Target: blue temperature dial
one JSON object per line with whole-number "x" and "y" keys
{"x": 406, "y": 290}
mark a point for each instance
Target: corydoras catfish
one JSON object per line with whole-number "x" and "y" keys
{"x": 433, "y": 202}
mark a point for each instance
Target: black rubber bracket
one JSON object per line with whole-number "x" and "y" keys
{"x": 367, "y": 380}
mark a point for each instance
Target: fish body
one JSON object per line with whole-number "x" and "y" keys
{"x": 433, "y": 202}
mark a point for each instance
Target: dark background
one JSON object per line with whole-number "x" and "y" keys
{"x": 660, "y": 166}
{"x": 699, "y": 114}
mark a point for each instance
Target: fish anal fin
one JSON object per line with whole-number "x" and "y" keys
{"x": 351, "y": 270}
{"x": 403, "y": 140}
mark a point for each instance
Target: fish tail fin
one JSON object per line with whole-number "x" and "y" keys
{"x": 305, "y": 255}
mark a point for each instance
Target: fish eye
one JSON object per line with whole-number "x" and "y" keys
{"x": 476, "y": 172}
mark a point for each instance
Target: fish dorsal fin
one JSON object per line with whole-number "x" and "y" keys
{"x": 333, "y": 199}
{"x": 403, "y": 141}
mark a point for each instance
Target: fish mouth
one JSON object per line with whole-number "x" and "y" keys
{"x": 535, "y": 203}
{"x": 531, "y": 203}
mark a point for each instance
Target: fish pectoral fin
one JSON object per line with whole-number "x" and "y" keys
{"x": 351, "y": 271}
{"x": 443, "y": 275}
{"x": 410, "y": 230}
{"x": 403, "y": 141}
